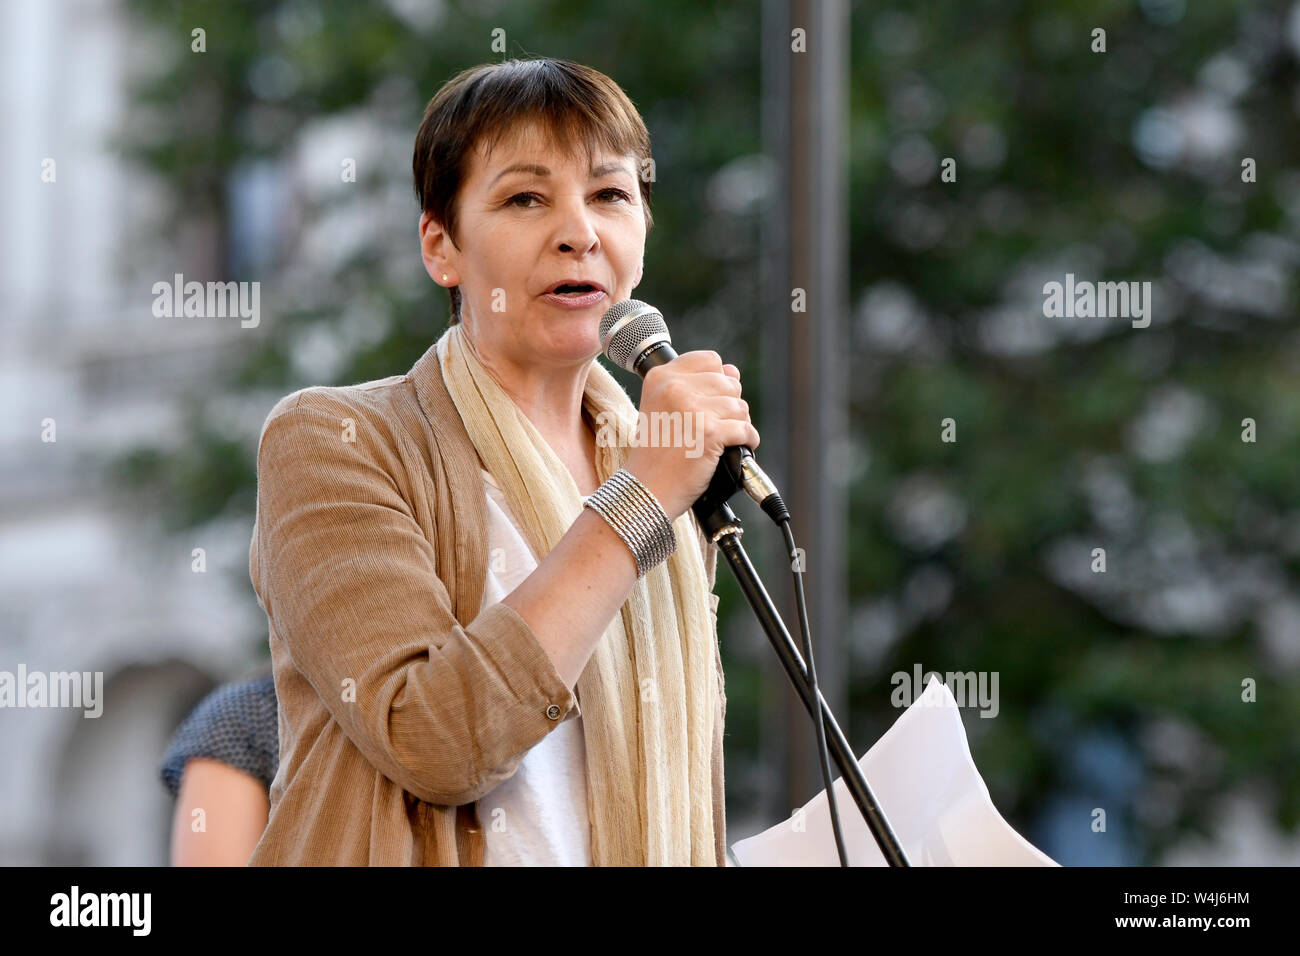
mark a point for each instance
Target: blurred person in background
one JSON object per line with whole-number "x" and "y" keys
{"x": 221, "y": 761}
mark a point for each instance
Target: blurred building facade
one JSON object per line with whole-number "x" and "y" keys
{"x": 88, "y": 581}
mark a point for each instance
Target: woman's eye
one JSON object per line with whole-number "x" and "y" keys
{"x": 523, "y": 200}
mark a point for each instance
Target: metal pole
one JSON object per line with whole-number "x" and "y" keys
{"x": 805, "y": 114}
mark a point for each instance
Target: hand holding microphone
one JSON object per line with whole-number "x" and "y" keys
{"x": 702, "y": 393}
{"x": 635, "y": 337}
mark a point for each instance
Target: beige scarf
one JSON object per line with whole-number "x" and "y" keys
{"x": 649, "y": 690}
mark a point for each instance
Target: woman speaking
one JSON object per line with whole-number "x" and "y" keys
{"x": 492, "y": 624}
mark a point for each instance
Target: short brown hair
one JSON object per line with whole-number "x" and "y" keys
{"x": 574, "y": 103}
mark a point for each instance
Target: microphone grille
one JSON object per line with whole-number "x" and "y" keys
{"x": 628, "y": 328}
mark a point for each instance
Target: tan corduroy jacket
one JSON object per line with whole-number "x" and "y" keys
{"x": 401, "y": 702}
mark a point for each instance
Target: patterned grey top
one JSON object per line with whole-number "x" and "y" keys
{"x": 237, "y": 724}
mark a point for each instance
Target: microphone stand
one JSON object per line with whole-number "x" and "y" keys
{"x": 723, "y": 528}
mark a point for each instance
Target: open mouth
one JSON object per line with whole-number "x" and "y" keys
{"x": 574, "y": 289}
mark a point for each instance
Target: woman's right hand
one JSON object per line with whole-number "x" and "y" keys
{"x": 693, "y": 411}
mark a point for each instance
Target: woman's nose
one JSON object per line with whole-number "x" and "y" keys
{"x": 576, "y": 233}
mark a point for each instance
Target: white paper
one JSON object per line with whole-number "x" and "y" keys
{"x": 926, "y": 783}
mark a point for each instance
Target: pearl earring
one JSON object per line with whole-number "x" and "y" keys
{"x": 444, "y": 277}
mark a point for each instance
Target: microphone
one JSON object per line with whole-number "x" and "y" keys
{"x": 634, "y": 336}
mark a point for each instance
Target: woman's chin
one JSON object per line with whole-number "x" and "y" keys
{"x": 575, "y": 341}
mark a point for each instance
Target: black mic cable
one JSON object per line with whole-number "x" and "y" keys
{"x": 796, "y": 568}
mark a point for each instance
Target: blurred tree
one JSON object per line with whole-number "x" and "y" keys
{"x": 1082, "y": 433}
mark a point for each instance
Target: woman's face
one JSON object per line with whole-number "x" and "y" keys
{"x": 529, "y": 218}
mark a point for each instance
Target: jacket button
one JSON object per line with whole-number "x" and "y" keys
{"x": 553, "y": 712}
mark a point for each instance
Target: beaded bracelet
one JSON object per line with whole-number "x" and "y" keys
{"x": 635, "y": 514}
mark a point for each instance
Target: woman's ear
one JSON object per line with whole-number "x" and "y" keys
{"x": 433, "y": 244}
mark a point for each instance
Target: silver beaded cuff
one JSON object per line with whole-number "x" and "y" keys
{"x": 632, "y": 511}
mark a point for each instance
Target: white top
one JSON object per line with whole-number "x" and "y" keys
{"x": 538, "y": 817}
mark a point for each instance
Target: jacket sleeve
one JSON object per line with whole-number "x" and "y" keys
{"x": 348, "y": 580}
